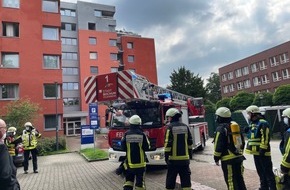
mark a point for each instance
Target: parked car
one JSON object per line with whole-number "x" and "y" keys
{"x": 19, "y": 155}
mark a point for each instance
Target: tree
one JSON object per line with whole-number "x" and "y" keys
{"x": 282, "y": 95}
{"x": 263, "y": 99}
{"x": 186, "y": 82}
{"x": 20, "y": 111}
{"x": 213, "y": 89}
{"x": 225, "y": 102}
{"x": 241, "y": 101}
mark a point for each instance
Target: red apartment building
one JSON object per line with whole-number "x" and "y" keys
{"x": 30, "y": 50}
{"x": 47, "y": 45}
{"x": 262, "y": 72}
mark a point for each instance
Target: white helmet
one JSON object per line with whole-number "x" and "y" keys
{"x": 172, "y": 112}
{"x": 253, "y": 109}
{"x": 135, "y": 120}
{"x": 286, "y": 113}
{"x": 28, "y": 124}
{"x": 223, "y": 112}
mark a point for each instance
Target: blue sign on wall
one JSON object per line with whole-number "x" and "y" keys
{"x": 93, "y": 113}
{"x": 87, "y": 134}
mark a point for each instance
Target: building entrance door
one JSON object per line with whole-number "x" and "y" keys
{"x": 73, "y": 128}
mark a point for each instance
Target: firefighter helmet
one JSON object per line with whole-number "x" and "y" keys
{"x": 28, "y": 124}
{"x": 253, "y": 109}
{"x": 223, "y": 112}
{"x": 12, "y": 129}
{"x": 172, "y": 112}
{"x": 135, "y": 120}
{"x": 286, "y": 113}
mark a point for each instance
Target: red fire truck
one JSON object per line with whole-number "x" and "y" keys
{"x": 127, "y": 93}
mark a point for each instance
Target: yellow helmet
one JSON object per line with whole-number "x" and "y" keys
{"x": 253, "y": 109}
{"x": 223, "y": 112}
{"x": 286, "y": 113}
{"x": 135, "y": 120}
{"x": 172, "y": 112}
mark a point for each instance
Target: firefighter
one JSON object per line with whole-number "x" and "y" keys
{"x": 259, "y": 146}
{"x": 178, "y": 150}
{"x": 135, "y": 143}
{"x": 228, "y": 147}
{"x": 285, "y": 165}
{"x": 12, "y": 141}
{"x": 29, "y": 137}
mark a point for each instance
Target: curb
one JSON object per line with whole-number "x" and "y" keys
{"x": 92, "y": 160}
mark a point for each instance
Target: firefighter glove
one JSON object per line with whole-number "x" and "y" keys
{"x": 262, "y": 152}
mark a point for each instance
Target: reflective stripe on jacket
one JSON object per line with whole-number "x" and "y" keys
{"x": 286, "y": 156}
{"x": 11, "y": 144}
{"x": 178, "y": 143}
{"x": 259, "y": 138}
{"x": 29, "y": 139}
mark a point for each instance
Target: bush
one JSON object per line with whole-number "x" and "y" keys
{"x": 48, "y": 145}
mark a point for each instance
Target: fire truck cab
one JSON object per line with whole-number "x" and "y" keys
{"x": 132, "y": 94}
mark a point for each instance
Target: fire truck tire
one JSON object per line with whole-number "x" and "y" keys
{"x": 203, "y": 144}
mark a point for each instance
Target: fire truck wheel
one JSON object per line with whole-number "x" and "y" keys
{"x": 202, "y": 146}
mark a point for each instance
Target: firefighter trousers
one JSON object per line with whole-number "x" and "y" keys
{"x": 130, "y": 175}
{"x": 264, "y": 167}
{"x": 34, "y": 159}
{"x": 184, "y": 173}
{"x": 233, "y": 175}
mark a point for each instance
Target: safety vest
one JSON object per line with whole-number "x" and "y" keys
{"x": 286, "y": 148}
{"x": 258, "y": 137}
{"x": 29, "y": 139}
{"x": 11, "y": 144}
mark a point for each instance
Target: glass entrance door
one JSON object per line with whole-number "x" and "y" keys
{"x": 73, "y": 128}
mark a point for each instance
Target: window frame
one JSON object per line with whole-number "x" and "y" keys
{"x": 47, "y": 28}
{"x": 15, "y": 89}
{"x": 92, "y": 40}
{"x": 52, "y": 86}
{"x": 132, "y": 57}
{"x": 53, "y": 117}
{"x": 46, "y": 7}
{"x": 14, "y": 30}
{"x": 130, "y": 45}
{"x": 51, "y": 56}
{"x": 3, "y": 56}
{"x": 17, "y": 4}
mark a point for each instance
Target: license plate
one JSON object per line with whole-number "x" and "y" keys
{"x": 18, "y": 155}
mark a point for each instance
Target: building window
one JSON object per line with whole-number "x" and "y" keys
{"x": 238, "y": 73}
{"x": 98, "y": 13}
{"x": 10, "y": 60}
{"x": 114, "y": 69}
{"x": 231, "y": 88}
{"x": 50, "y": 6}
{"x": 262, "y": 65}
{"x": 69, "y": 56}
{"x": 67, "y": 12}
{"x": 130, "y": 45}
{"x": 256, "y": 81}
{"x": 10, "y": 3}
{"x": 226, "y": 89}
{"x": 224, "y": 77}
{"x": 264, "y": 79}
{"x": 50, "y": 91}
{"x": 273, "y": 61}
{"x": 70, "y": 71}
{"x": 240, "y": 85}
{"x": 51, "y": 121}
{"x": 230, "y": 75}
{"x": 71, "y": 102}
{"x": 51, "y": 61}
{"x": 245, "y": 70}
{"x": 92, "y": 41}
{"x": 10, "y": 29}
{"x": 275, "y": 76}
{"x": 70, "y": 86}
{"x": 113, "y": 56}
{"x": 91, "y": 26}
{"x": 130, "y": 58}
{"x": 113, "y": 42}
{"x": 254, "y": 68}
{"x": 69, "y": 41}
{"x": 284, "y": 58}
{"x": 68, "y": 26}
{"x": 50, "y": 33}
{"x": 247, "y": 83}
{"x": 94, "y": 70}
{"x": 93, "y": 55}
{"x": 8, "y": 91}
{"x": 285, "y": 74}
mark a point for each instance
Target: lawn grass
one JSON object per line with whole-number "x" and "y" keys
{"x": 94, "y": 154}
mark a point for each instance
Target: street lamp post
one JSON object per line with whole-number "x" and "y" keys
{"x": 56, "y": 118}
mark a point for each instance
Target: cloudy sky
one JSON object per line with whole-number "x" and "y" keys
{"x": 203, "y": 35}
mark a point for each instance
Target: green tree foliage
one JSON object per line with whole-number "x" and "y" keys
{"x": 282, "y": 95}
{"x": 20, "y": 111}
{"x": 263, "y": 99}
{"x": 241, "y": 101}
{"x": 225, "y": 102}
{"x": 213, "y": 89}
{"x": 186, "y": 82}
